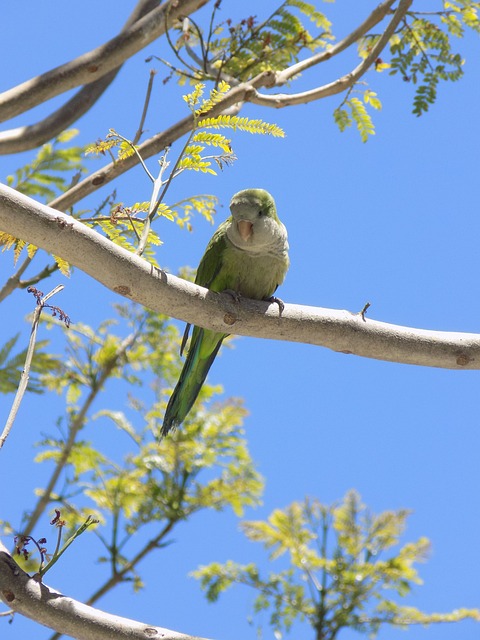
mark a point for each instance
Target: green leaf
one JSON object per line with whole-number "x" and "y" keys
{"x": 11, "y": 366}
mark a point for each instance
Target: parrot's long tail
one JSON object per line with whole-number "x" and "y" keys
{"x": 193, "y": 376}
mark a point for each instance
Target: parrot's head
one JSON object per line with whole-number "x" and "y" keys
{"x": 255, "y": 224}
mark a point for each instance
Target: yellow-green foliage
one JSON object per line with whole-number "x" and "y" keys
{"x": 141, "y": 488}
{"x": 12, "y": 364}
{"x": 101, "y": 146}
{"x": 344, "y": 562}
{"x": 459, "y": 14}
{"x": 354, "y": 110}
{"x": 125, "y": 223}
{"x": 420, "y": 53}
{"x": 51, "y": 171}
{"x": 214, "y": 140}
{"x": 112, "y": 140}
{"x": 124, "y": 226}
{"x": 193, "y": 154}
{"x": 215, "y": 97}
{"x": 49, "y": 174}
{"x": 242, "y": 124}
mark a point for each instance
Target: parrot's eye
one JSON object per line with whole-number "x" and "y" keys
{"x": 260, "y": 213}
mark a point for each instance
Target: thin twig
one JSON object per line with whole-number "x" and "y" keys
{"x": 181, "y": 72}
{"x": 138, "y": 135}
{"x": 44, "y": 273}
{"x": 364, "y": 310}
{"x": 130, "y": 219}
{"x": 22, "y": 387}
{"x": 146, "y": 229}
{"x": 175, "y": 50}
{"x": 14, "y": 281}
{"x": 60, "y": 551}
{"x": 74, "y": 428}
{"x": 112, "y": 132}
{"x": 216, "y": 6}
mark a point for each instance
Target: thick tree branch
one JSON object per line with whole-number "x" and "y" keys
{"x": 31, "y": 136}
{"x": 136, "y": 279}
{"x": 96, "y": 63}
{"x": 24, "y": 595}
{"x": 287, "y": 100}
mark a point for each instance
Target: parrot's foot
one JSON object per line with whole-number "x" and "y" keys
{"x": 235, "y": 295}
{"x": 281, "y": 305}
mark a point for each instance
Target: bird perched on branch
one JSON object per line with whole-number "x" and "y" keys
{"x": 247, "y": 256}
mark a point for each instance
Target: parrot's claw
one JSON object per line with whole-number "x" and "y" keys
{"x": 281, "y": 304}
{"x": 235, "y": 295}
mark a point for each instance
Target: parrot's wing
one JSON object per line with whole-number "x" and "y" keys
{"x": 212, "y": 260}
{"x": 209, "y": 267}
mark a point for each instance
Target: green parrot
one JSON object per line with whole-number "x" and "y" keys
{"x": 247, "y": 256}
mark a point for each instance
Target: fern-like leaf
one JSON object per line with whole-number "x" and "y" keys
{"x": 196, "y": 164}
{"x": 242, "y": 124}
{"x": 215, "y": 96}
{"x": 62, "y": 265}
{"x": 214, "y": 140}
{"x": 361, "y": 118}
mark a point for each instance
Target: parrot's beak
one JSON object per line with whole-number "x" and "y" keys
{"x": 245, "y": 229}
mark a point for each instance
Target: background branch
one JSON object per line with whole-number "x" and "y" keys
{"x": 31, "y": 136}
{"x": 131, "y": 276}
{"x": 377, "y": 15}
{"x": 337, "y": 86}
{"x": 96, "y": 63}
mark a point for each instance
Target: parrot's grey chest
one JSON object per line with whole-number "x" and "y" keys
{"x": 254, "y": 275}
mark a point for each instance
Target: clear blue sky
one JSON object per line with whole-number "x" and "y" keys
{"x": 395, "y": 222}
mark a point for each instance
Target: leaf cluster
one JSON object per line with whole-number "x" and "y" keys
{"x": 155, "y": 484}
{"x": 241, "y": 51}
{"x": 193, "y": 156}
{"x": 53, "y": 171}
{"x": 343, "y": 564}
{"x": 353, "y": 110}
{"x": 422, "y": 55}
